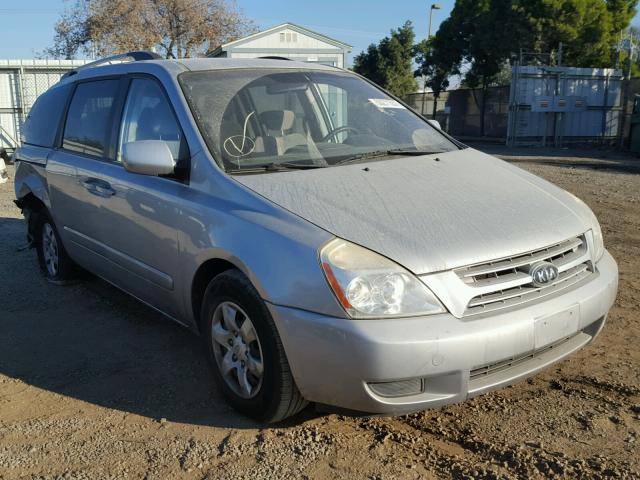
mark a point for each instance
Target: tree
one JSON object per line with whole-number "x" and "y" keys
{"x": 482, "y": 35}
{"x": 389, "y": 64}
{"x": 71, "y": 33}
{"x": 174, "y": 28}
{"x": 435, "y": 70}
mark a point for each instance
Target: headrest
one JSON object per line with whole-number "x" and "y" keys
{"x": 277, "y": 119}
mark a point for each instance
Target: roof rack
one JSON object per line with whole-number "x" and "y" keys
{"x": 119, "y": 58}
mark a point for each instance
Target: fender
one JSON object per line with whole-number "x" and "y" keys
{"x": 30, "y": 178}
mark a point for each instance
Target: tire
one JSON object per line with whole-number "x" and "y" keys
{"x": 55, "y": 263}
{"x": 229, "y": 301}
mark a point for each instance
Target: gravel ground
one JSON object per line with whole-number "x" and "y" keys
{"x": 95, "y": 385}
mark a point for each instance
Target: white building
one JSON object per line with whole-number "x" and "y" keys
{"x": 21, "y": 81}
{"x": 290, "y": 41}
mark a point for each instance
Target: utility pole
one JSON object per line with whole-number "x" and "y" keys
{"x": 434, "y": 6}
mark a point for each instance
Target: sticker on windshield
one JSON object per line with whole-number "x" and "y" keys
{"x": 386, "y": 103}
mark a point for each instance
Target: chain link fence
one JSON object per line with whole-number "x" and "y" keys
{"x": 21, "y": 82}
{"x": 461, "y": 112}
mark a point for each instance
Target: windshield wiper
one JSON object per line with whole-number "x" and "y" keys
{"x": 385, "y": 153}
{"x": 415, "y": 153}
{"x": 276, "y": 167}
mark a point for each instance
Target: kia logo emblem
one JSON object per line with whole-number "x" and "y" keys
{"x": 543, "y": 273}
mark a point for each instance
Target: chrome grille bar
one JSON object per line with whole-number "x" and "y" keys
{"x": 522, "y": 260}
{"x": 506, "y": 282}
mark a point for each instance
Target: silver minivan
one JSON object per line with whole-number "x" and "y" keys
{"x": 328, "y": 244}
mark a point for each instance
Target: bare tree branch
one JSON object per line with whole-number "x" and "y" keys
{"x": 178, "y": 28}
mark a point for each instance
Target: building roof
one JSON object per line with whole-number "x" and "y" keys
{"x": 282, "y": 26}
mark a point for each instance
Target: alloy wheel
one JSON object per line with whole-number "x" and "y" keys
{"x": 50, "y": 249}
{"x": 237, "y": 350}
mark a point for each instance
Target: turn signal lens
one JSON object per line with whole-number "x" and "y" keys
{"x": 598, "y": 241}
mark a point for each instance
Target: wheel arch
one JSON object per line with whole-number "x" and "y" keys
{"x": 207, "y": 271}
{"x": 31, "y": 206}
{"x": 30, "y": 182}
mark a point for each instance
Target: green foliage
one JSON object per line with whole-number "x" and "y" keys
{"x": 482, "y": 35}
{"x": 389, "y": 64}
{"x": 584, "y": 27}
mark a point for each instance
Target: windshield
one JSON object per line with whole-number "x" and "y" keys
{"x": 272, "y": 119}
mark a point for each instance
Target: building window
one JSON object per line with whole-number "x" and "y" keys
{"x": 282, "y": 37}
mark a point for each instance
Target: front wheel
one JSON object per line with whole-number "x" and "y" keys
{"x": 246, "y": 352}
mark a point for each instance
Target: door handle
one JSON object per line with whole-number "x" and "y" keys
{"x": 88, "y": 184}
{"x": 105, "y": 190}
{"x": 98, "y": 187}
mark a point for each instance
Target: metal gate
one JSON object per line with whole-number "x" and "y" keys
{"x": 21, "y": 82}
{"x": 556, "y": 105}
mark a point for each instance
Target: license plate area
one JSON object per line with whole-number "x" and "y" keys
{"x": 557, "y": 326}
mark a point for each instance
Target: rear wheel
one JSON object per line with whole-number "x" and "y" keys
{"x": 246, "y": 352}
{"x": 55, "y": 263}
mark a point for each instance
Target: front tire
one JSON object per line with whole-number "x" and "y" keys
{"x": 55, "y": 263}
{"x": 245, "y": 350}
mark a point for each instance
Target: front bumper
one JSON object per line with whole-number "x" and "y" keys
{"x": 334, "y": 360}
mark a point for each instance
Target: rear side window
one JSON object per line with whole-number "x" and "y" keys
{"x": 44, "y": 117}
{"x": 89, "y": 120}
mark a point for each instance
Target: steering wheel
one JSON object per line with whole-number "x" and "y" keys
{"x": 336, "y": 131}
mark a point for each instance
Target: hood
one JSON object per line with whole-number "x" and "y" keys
{"x": 428, "y": 215}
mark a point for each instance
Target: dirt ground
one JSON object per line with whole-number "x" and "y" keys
{"x": 95, "y": 385}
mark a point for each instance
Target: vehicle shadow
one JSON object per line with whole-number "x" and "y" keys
{"x": 92, "y": 342}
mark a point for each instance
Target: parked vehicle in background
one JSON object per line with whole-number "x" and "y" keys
{"x": 328, "y": 243}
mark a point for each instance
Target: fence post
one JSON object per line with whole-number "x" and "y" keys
{"x": 513, "y": 108}
{"x": 626, "y": 86}
{"x": 22, "y": 117}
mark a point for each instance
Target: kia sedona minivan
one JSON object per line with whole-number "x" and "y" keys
{"x": 327, "y": 243}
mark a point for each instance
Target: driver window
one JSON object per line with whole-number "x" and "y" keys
{"x": 148, "y": 116}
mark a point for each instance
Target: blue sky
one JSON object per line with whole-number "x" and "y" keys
{"x": 26, "y": 26}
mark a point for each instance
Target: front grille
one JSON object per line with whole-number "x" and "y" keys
{"x": 492, "y": 368}
{"x": 506, "y": 282}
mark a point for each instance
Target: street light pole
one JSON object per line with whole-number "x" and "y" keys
{"x": 434, "y": 6}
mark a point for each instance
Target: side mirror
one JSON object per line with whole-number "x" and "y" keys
{"x": 434, "y": 123}
{"x": 148, "y": 157}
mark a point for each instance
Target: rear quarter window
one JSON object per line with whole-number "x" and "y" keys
{"x": 42, "y": 123}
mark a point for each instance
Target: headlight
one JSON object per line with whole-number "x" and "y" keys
{"x": 598, "y": 241}
{"x": 369, "y": 285}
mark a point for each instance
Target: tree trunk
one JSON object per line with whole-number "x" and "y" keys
{"x": 435, "y": 106}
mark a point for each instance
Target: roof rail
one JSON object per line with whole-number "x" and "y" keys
{"x": 119, "y": 58}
